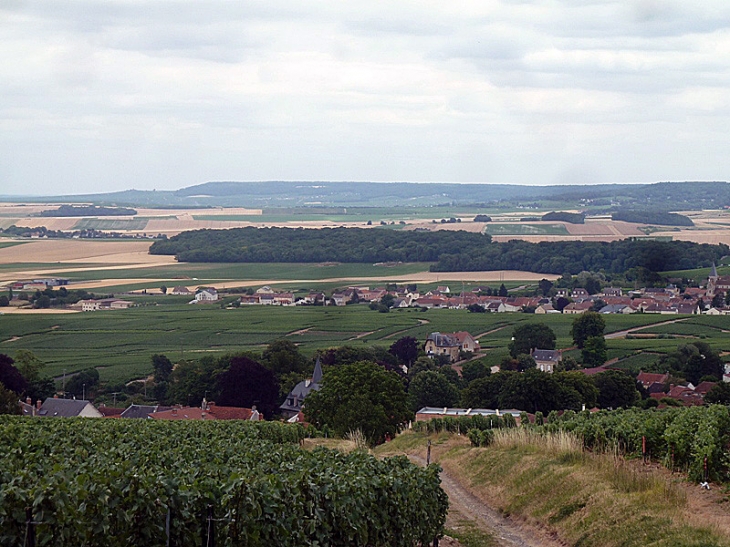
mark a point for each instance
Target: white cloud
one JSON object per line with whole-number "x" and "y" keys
{"x": 128, "y": 93}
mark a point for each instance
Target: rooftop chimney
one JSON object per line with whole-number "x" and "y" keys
{"x": 28, "y": 401}
{"x": 38, "y": 404}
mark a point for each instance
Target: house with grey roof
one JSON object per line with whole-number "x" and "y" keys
{"x": 438, "y": 343}
{"x": 68, "y": 408}
{"x": 295, "y": 400}
{"x": 546, "y": 359}
{"x": 142, "y": 412}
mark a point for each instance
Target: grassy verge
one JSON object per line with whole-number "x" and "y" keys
{"x": 587, "y": 499}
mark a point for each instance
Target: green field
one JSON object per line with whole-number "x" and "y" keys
{"x": 111, "y": 224}
{"x": 274, "y": 271}
{"x": 699, "y": 275}
{"x": 515, "y": 229}
{"x": 120, "y": 342}
{"x": 4, "y": 244}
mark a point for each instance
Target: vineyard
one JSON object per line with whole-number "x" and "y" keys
{"x": 119, "y": 483}
{"x": 688, "y": 439}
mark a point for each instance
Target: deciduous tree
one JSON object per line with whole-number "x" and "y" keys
{"x": 616, "y": 389}
{"x": 360, "y": 396}
{"x": 472, "y": 370}
{"x": 530, "y": 336}
{"x": 405, "y": 349}
{"x": 10, "y": 376}
{"x": 594, "y": 351}
{"x": 585, "y": 326}
{"x": 247, "y": 383}
{"x": 431, "y": 389}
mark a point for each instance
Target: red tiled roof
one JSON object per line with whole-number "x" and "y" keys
{"x": 214, "y": 412}
{"x": 704, "y": 387}
{"x": 109, "y": 411}
{"x": 648, "y": 378}
{"x": 230, "y": 412}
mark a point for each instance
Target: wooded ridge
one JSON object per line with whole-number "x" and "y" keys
{"x": 450, "y": 250}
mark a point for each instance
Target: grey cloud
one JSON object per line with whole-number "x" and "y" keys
{"x": 162, "y": 94}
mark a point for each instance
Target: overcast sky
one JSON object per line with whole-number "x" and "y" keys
{"x": 116, "y": 94}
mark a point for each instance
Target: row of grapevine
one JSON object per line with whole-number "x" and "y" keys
{"x": 691, "y": 439}
{"x": 119, "y": 483}
{"x": 694, "y": 439}
{"x": 463, "y": 424}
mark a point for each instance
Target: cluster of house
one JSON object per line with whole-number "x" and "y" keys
{"x": 667, "y": 300}
{"x": 612, "y": 300}
{"x": 76, "y": 408}
{"x": 37, "y": 284}
{"x": 102, "y": 304}
{"x": 658, "y": 387}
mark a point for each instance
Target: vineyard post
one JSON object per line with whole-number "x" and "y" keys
{"x": 168, "y": 518}
{"x": 706, "y": 473}
{"x": 29, "y": 528}
{"x": 643, "y": 448}
{"x": 428, "y": 453}
{"x": 208, "y": 528}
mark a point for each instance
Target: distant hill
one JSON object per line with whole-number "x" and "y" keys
{"x": 666, "y": 196}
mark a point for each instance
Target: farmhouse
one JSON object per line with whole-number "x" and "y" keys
{"x": 578, "y": 307}
{"x": 103, "y": 304}
{"x": 466, "y": 341}
{"x": 546, "y": 359}
{"x": 205, "y": 294}
{"x": 181, "y": 291}
{"x": 442, "y": 344}
{"x": 450, "y": 344}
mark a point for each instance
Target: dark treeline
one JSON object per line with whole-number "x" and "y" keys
{"x": 653, "y": 217}
{"x": 322, "y": 245}
{"x": 451, "y": 250}
{"x": 557, "y": 257}
{"x": 86, "y": 210}
{"x": 573, "y": 218}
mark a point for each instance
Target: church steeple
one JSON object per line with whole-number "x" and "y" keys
{"x": 713, "y": 272}
{"x": 317, "y": 375}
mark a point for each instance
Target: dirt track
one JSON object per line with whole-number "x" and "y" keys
{"x": 463, "y": 505}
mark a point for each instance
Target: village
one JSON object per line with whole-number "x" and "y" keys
{"x": 610, "y": 300}
{"x": 669, "y": 300}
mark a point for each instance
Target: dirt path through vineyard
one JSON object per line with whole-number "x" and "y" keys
{"x": 465, "y": 506}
